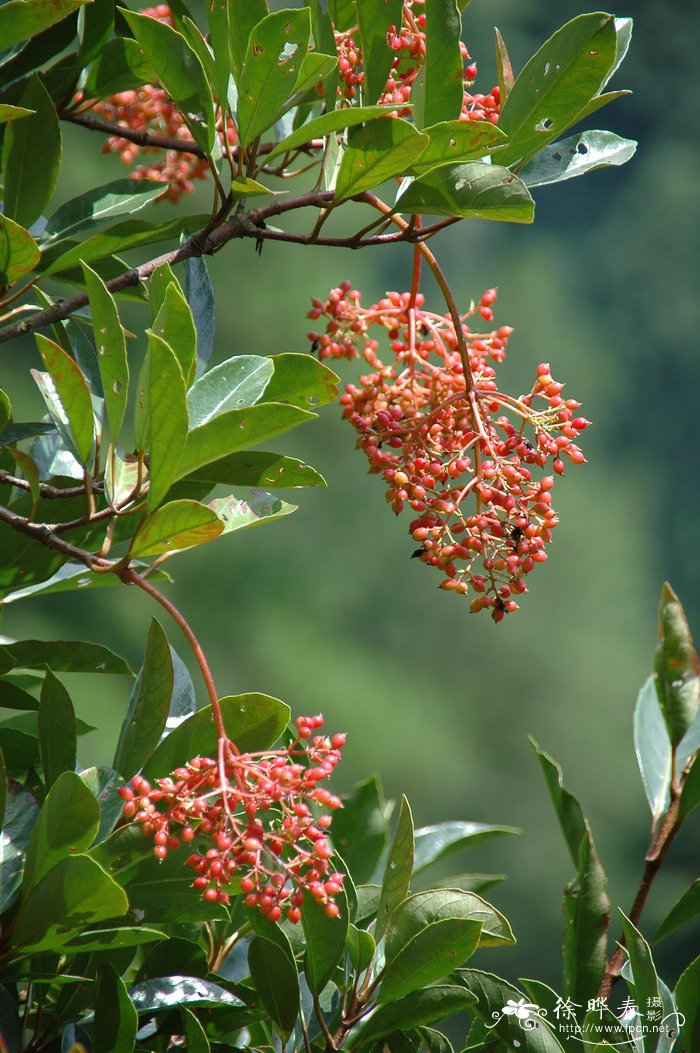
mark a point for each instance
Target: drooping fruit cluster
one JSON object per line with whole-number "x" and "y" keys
{"x": 260, "y": 821}
{"x": 407, "y": 41}
{"x": 469, "y": 460}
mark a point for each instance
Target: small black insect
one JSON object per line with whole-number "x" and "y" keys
{"x": 419, "y": 552}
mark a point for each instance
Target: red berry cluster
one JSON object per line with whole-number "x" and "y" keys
{"x": 469, "y": 460}
{"x": 254, "y": 811}
{"x": 407, "y": 41}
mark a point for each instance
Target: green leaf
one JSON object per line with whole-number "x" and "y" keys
{"x": 333, "y": 121}
{"x": 646, "y": 982}
{"x": 238, "y": 381}
{"x": 57, "y": 733}
{"x": 271, "y": 69}
{"x": 253, "y": 722}
{"x": 575, "y": 156}
{"x": 5, "y": 410}
{"x": 258, "y": 469}
{"x": 688, "y": 1001}
{"x": 66, "y": 825}
{"x": 3, "y": 788}
{"x": 19, "y": 253}
{"x": 95, "y": 27}
{"x": 569, "y": 812}
{"x": 359, "y": 829}
{"x": 677, "y": 667}
{"x": 196, "y": 1040}
{"x": 21, "y": 811}
{"x": 261, "y": 507}
{"x": 66, "y": 656}
{"x": 433, "y": 953}
{"x": 374, "y": 17}
{"x": 325, "y": 940}
{"x": 28, "y": 430}
{"x": 491, "y": 996}
{"x": 506, "y": 78}
{"x": 396, "y": 882}
{"x": 445, "y": 839}
{"x": 557, "y": 83}
{"x": 361, "y": 948}
{"x": 177, "y": 525}
{"x": 587, "y": 918}
{"x": 73, "y": 576}
{"x": 685, "y": 910}
{"x": 72, "y": 395}
{"x": 175, "y": 325}
{"x": 276, "y": 982}
{"x": 75, "y": 893}
{"x": 473, "y": 190}
{"x": 167, "y": 419}
{"x": 116, "y": 1020}
{"x": 377, "y": 152}
{"x": 120, "y": 66}
{"x": 237, "y": 430}
{"x": 12, "y": 113}
{"x": 244, "y": 17}
{"x": 425, "y": 908}
{"x": 104, "y": 784}
{"x": 200, "y": 297}
{"x": 21, "y": 19}
{"x": 653, "y": 749}
{"x": 168, "y": 992}
{"x": 111, "y": 349}
{"x": 438, "y": 93}
{"x": 31, "y": 156}
{"x": 29, "y": 471}
{"x": 180, "y": 72}
{"x": 148, "y": 710}
{"x": 456, "y": 141}
{"x": 421, "y": 1007}
{"x": 690, "y": 794}
{"x": 301, "y": 380}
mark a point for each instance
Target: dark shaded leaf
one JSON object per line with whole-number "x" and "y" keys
{"x": 259, "y": 469}
{"x": 67, "y": 824}
{"x": 116, "y": 1020}
{"x": 56, "y": 730}
{"x": 421, "y": 1007}
{"x": 688, "y": 1001}
{"x": 445, "y": 839}
{"x": 685, "y": 910}
{"x": 148, "y": 710}
{"x": 200, "y": 297}
{"x": 21, "y": 811}
{"x": 325, "y": 940}
{"x": 67, "y": 656}
{"x": 396, "y": 882}
{"x": 359, "y": 829}
{"x": 493, "y": 995}
{"x": 690, "y": 794}
{"x": 435, "y": 951}
{"x": 104, "y": 784}
{"x": 677, "y": 667}
{"x": 276, "y": 982}
{"x": 31, "y": 156}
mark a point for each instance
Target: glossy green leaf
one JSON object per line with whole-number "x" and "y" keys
{"x": 421, "y": 1007}
{"x": 261, "y": 507}
{"x": 301, "y": 380}
{"x": 161, "y": 278}
{"x": 111, "y": 349}
{"x": 360, "y": 830}
{"x": 237, "y": 430}
{"x": 244, "y": 16}
{"x": 95, "y": 27}
{"x": 453, "y": 142}
{"x": 66, "y": 656}
{"x": 21, "y": 19}
{"x": 492, "y": 995}
{"x": 253, "y": 722}
{"x": 177, "y": 525}
{"x": 148, "y": 710}
{"x": 120, "y": 66}
{"x": 104, "y": 784}
{"x": 688, "y": 1001}
{"x": 374, "y": 17}
{"x": 195, "y": 1036}
{"x": 569, "y": 813}
{"x": 31, "y": 156}
{"x": 76, "y": 892}
{"x": 473, "y": 190}
{"x": 437, "y": 842}
{"x": 438, "y": 92}
{"x": 646, "y": 982}
{"x": 259, "y": 469}
{"x": 19, "y": 253}
{"x": 422, "y": 909}
{"x": 71, "y": 577}
{"x": 587, "y": 918}
{"x": 361, "y": 948}
{"x": 27, "y": 430}
{"x": 396, "y": 882}
{"x": 66, "y": 825}
{"x": 575, "y": 156}
{"x": 56, "y": 728}
{"x": 653, "y": 748}
{"x": 555, "y": 85}
{"x": 237, "y": 382}
{"x": 434, "y": 952}
{"x": 677, "y": 667}
{"x": 180, "y": 72}
{"x": 13, "y": 113}
{"x": 271, "y": 69}
{"x": 685, "y": 910}
{"x": 379, "y": 151}
{"x": 175, "y": 325}
{"x": 200, "y": 297}
{"x": 333, "y": 121}
{"x": 168, "y": 992}
{"x": 690, "y": 794}
{"x": 325, "y": 940}
{"x": 116, "y": 1019}
{"x": 72, "y": 394}
{"x": 506, "y": 79}
{"x": 276, "y": 982}
{"x": 479, "y": 883}
{"x": 167, "y": 419}
{"x": 5, "y": 410}
{"x": 21, "y": 811}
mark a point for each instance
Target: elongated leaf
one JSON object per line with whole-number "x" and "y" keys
{"x": 148, "y": 710}
{"x": 237, "y": 430}
{"x": 359, "y": 829}
{"x": 374, "y": 18}
{"x": 325, "y": 940}
{"x": 195, "y": 1035}
{"x": 685, "y": 910}
{"x": 72, "y": 394}
{"x": 506, "y": 78}
{"x": 421, "y": 1007}
{"x": 31, "y": 156}
{"x": 445, "y": 839}
{"x": 361, "y": 948}
{"x": 433, "y": 953}
{"x": 238, "y": 381}
{"x": 473, "y": 190}
{"x": 104, "y": 784}
{"x": 377, "y": 152}
{"x": 21, "y": 811}
{"x": 438, "y": 92}
{"x": 177, "y": 525}
{"x": 56, "y": 726}
{"x": 116, "y": 1019}
{"x": 677, "y": 667}
{"x": 19, "y": 253}
{"x": 298, "y": 381}
{"x": 167, "y": 992}
{"x": 569, "y": 813}
{"x": 333, "y": 121}
{"x": 276, "y": 982}
{"x": 12, "y": 113}
{"x": 75, "y": 893}
{"x": 271, "y": 69}
{"x": 399, "y": 868}
{"x": 167, "y": 419}
{"x": 557, "y": 83}
{"x": 575, "y": 156}
{"x": 72, "y": 576}
{"x": 120, "y": 66}
{"x": 253, "y": 722}
{"x": 244, "y": 16}
{"x": 653, "y": 748}
{"x": 425, "y": 908}
{"x": 587, "y": 917}
{"x": 688, "y": 1000}
{"x": 66, "y": 825}
{"x": 690, "y": 794}
{"x": 492, "y": 995}
{"x": 200, "y": 297}
{"x": 452, "y": 142}
{"x": 21, "y": 19}
{"x": 66, "y": 656}
{"x": 180, "y": 72}
{"x": 258, "y": 469}
{"x": 646, "y": 982}
{"x": 111, "y": 349}
{"x": 175, "y": 325}
{"x": 260, "y": 508}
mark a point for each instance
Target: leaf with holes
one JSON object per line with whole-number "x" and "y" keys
{"x": 271, "y": 69}
{"x": 111, "y": 349}
{"x": 261, "y": 507}
{"x": 175, "y": 526}
{"x": 575, "y": 156}
{"x": 237, "y": 382}
{"x": 453, "y": 142}
{"x": 473, "y": 190}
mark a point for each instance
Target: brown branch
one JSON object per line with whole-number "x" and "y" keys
{"x": 148, "y": 139}
{"x": 50, "y": 492}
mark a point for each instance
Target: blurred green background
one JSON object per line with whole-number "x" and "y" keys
{"x": 326, "y": 610}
